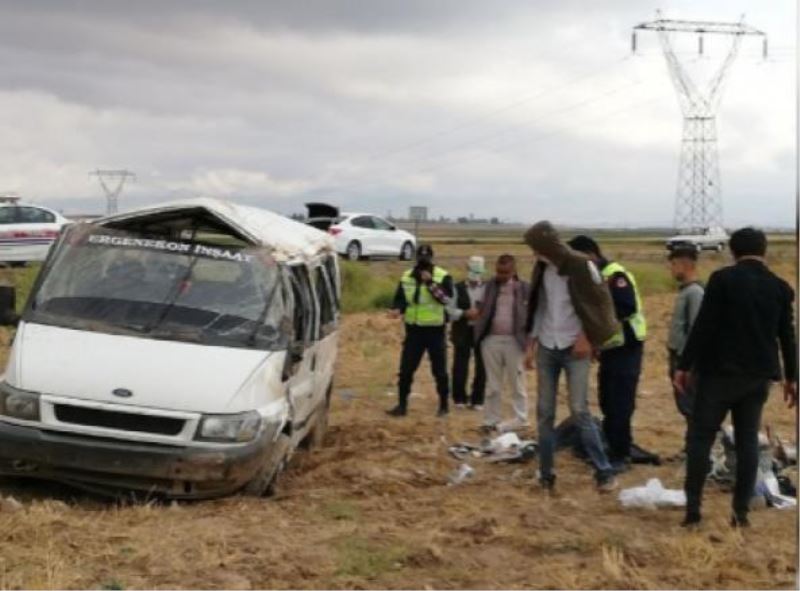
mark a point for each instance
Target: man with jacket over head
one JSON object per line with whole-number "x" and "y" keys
{"x": 421, "y": 299}
{"x": 468, "y": 298}
{"x": 570, "y": 313}
{"x": 745, "y": 325}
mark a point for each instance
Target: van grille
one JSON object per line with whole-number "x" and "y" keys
{"x": 118, "y": 420}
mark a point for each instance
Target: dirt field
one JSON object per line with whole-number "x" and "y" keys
{"x": 371, "y": 509}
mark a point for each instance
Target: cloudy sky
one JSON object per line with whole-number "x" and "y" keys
{"x": 516, "y": 109}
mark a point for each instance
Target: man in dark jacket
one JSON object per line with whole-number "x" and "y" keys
{"x": 468, "y": 298}
{"x": 500, "y": 333}
{"x": 421, "y": 300}
{"x": 570, "y": 312}
{"x": 745, "y": 320}
{"x": 621, "y": 356}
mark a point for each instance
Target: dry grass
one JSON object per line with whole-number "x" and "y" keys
{"x": 371, "y": 510}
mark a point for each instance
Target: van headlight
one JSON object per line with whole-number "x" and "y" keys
{"x": 229, "y": 428}
{"x": 18, "y": 404}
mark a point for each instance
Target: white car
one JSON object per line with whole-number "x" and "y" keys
{"x": 711, "y": 239}
{"x": 362, "y": 235}
{"x": 27, "y": 232}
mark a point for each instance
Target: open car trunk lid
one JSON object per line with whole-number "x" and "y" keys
{"x": 322, "y": 215}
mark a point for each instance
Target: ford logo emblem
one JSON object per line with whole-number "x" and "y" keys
{"x": 122, "y": 393}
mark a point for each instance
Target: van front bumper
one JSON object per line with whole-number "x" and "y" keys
{"x": 110, "y": 466}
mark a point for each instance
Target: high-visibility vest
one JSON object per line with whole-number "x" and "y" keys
{"x": 637, "y": 319}
{"x": 427, "y": 311}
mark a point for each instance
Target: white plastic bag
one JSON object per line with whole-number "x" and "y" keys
{"x": 652, "y": 495}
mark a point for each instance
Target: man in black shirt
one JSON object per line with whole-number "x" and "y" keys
{"x": 733, "y": 355}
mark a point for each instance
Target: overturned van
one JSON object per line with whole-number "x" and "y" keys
{"x": 184, "y": 350}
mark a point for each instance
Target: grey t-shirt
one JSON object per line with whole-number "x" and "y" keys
{"x": 687, "y": 305}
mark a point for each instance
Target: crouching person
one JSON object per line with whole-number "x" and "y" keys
{"x": 570, "y": 313}
{"x": 500, "y": 332}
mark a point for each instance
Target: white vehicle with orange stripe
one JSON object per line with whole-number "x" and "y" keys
{"x": 27, "y": 232}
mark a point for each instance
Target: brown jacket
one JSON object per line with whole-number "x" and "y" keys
{"x": 588, "y": 291}
{"x": 484, "y": 322}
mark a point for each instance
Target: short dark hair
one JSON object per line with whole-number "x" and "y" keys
{"x": 748, "y": 241}
{"x": 585, "y": 244}
{"x": 683, "y": 252}
{"x": 506, "y": 259}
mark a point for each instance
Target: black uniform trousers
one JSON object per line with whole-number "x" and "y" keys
{"x": 744, "y": 397}
{"x": 418, "y": 341}
{"x": 462, "y": 352}
{"x": 617, "y": 380}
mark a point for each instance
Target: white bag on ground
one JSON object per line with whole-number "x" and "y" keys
{"x": 652, "y": 495}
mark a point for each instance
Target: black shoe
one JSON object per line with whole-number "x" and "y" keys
{"x": 620, "y": 466}
{"x": 442, "y": 412}
{"x": 397, "y": 411}
{"x": 548, "y": 483}
{"x": 692, "y": 519}
{"x": 740, "y": 520}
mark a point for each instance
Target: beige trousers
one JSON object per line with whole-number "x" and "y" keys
{"x": 504, "y": 362}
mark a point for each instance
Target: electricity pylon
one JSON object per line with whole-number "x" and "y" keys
{"x": 698, "y": 202}
{"x": 112, "y": 182}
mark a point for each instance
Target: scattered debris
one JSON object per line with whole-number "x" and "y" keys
{"x": 652, "y": 495}
{"x": 507, "y": 447}
{"x": 772, "y": 489}
{"x": 347, "y": 394}
{"x": 462, "y": 473}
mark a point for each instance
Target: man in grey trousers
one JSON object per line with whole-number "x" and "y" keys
{"x": 683, "y": 266}
{"x": 500, "y": 332}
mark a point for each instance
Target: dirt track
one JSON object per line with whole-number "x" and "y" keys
{"x": 371, "y": 509}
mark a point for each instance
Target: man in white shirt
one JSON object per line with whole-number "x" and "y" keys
{"x": 570, "y": 313}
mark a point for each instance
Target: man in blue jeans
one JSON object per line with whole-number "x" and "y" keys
{"x": 570, "y": 313}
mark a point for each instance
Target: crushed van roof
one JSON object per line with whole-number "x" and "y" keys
{"x": 287, "y": 238}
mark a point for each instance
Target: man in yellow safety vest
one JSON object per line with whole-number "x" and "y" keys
{"x": 621, "y": 356}
{"x": 421, "y": 300}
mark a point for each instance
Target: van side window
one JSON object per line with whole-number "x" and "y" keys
{"x": 327, "y": 307}
{"x": 332, "y": 271}
{"x": 305, "y": 311}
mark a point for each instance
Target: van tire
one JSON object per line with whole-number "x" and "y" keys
{"x": 407, "y": 251}
{"x": 264, "y": 483}
{"x": 353, "y": 251}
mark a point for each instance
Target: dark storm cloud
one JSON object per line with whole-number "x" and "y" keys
{"x": 374, "y": 104}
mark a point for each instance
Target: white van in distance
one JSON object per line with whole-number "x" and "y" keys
{"x": 185, "y": 350}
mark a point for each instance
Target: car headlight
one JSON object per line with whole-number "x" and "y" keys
{"x": 18, "y": 404}
{"x": 230, "y": 428}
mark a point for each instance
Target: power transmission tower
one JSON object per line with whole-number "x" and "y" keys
{"x": 112, "y": 182}
{"x": 698, "y": 203}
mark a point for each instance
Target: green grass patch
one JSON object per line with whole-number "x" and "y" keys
{"x": 652, "y": 278}
{"x": 359, "y": 557}
{"x": 341, "y": 511}
{"x": 363, "y": 290}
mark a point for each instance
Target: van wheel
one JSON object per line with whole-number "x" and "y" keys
{"x": 264, "y": 483}
{"x": 407, "y": 252}
{"x": 353, "y": 251}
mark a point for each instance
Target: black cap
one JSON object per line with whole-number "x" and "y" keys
{"x": 584, "y": 244}
{"x": 683, "y": 252}
{"x": 424, "y": 251}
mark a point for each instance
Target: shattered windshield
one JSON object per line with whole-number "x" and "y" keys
{"x": 118, "y": 282}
